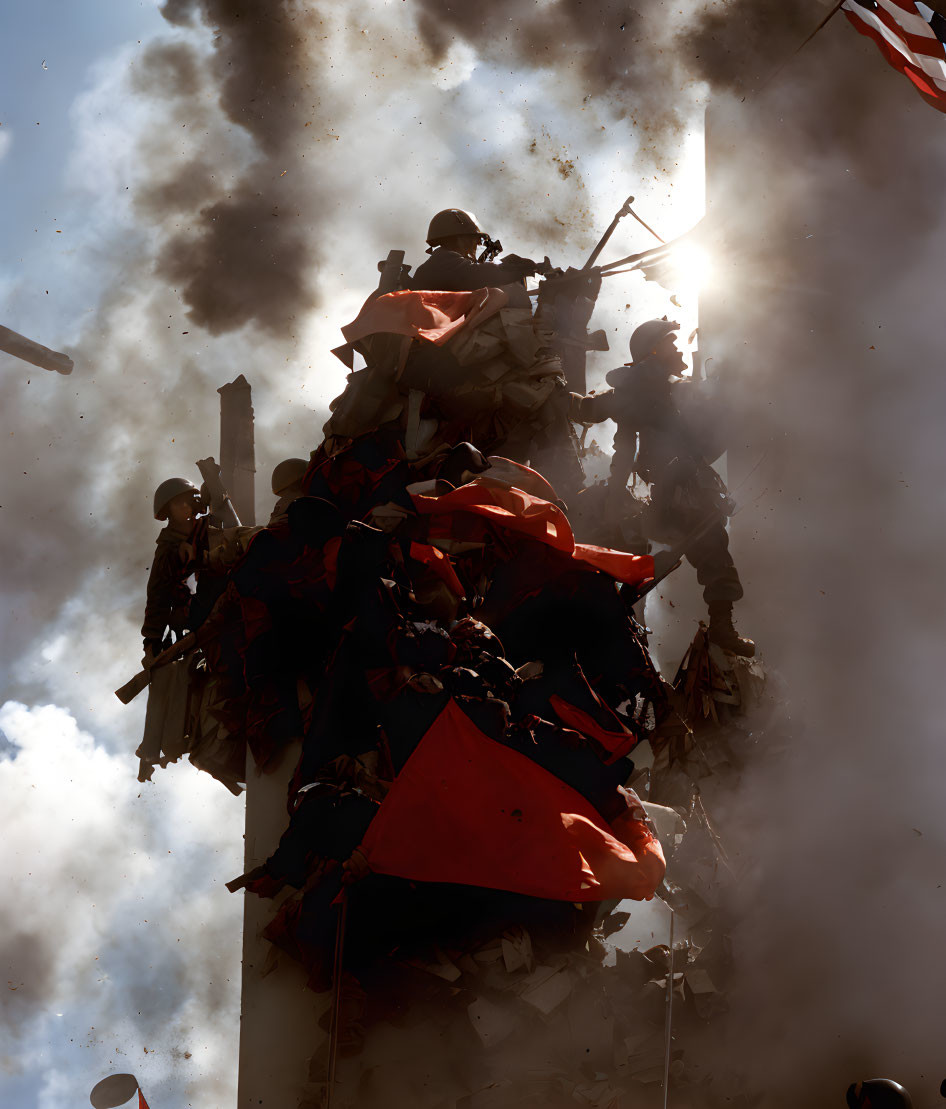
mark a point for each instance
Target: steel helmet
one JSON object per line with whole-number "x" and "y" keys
{"x": 648, "y": 335}
{"x": 878, "y": 1093}
{"x": 450, "y": 222}
{"x": 168, "y": 490}
{"x": 288, "y": 472}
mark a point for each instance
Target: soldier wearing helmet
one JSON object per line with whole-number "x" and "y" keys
{"x": 177, "y": 501}
{"x": 287, "y": 486}
{"x": 657, "y": 439}
{"x": 453, "y": 238}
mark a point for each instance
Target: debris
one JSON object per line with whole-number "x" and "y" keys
{"x": 546, "y": 988}
{"x": 493, "y": 1023}
{"x": 12, "y": 342}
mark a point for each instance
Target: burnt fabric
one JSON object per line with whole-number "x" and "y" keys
{"x": 543, "y": 606}
{"x": 568, "y": 755}
{"x": 371, "y": 470}
{"x": 562, "y": 691}
{"x": 468, "y": 810}
{"x": 328, "y": 823}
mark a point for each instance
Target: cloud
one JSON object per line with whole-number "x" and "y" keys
{"x": 100, "y": 955}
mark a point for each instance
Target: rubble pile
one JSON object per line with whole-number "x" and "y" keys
{"x": 492, "y": 774}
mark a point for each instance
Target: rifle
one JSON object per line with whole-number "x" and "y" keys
{"x": 208, "y": 631}
{"x": 394, "y": 273}
{"x": 220, "y": 504}
{"x": 130, "y": 690}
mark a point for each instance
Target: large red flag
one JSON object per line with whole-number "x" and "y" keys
{"x": 468, "y": 810}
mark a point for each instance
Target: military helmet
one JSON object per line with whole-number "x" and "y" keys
{"x": 648, "y": 335}
{"x": 288, "y": 472}
{"x": 878, "y": 1093}
{"x": 450, "y": 222}
{"x": 167, "y": 491}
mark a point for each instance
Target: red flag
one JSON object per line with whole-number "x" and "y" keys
{"x": 142, "y": 1104}
{"x": 468, "y": 810}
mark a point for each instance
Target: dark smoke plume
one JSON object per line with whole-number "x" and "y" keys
{"x": 245, "y": 253}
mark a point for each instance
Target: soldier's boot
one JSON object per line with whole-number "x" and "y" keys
{"x": 723, "y": 634}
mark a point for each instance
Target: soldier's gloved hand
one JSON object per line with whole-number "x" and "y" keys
{"x": 148, "y": 657}
{"x": 526, "y": 265}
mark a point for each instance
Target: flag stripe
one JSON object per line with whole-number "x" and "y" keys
{"x": 908, "y": 18}
{"x": 923, "y": 84}
{"x": 926, "y": 45}
{"x": 934, "y": 80}
{"x": 871, "y": 24}
{"x": 927, "y": 53}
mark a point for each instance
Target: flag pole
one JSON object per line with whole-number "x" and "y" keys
{"x": 831, "y": 14}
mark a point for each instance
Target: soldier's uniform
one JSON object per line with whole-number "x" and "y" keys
{"x": 168, "y": 598}
{"x": 449, "y": 270}
{"x": 655, "y": 439}
{"x": 545, "y": 439}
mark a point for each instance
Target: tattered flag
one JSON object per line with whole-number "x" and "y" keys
{"x": 911, "y": 40}
{"x": 468, "y": 810}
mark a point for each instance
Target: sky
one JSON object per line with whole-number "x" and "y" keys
{"x": 183, "y": 202}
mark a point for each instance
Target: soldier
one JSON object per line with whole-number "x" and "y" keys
{"x": 287, "y": 486}
{"x": 545, "y": 438}
{"x": 453, "y": 237}
{"x": 176, "y": 500}
{"x": 655, "y": 439}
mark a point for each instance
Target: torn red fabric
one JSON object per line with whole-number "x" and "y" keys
{"x": 620, "y": 565}
{"x": 512, "y": 509}
{"x": 617, "y": 741}
{"x": 468, "y": 810}
{"x": 432, "y": 315}
{"x": 523, "y": 513}
{"x": 438, "y": 562}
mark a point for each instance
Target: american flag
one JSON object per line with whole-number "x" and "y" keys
{"x": 911, "y": 36}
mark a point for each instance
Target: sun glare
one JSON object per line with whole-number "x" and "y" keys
{"x": 694, "y": 264}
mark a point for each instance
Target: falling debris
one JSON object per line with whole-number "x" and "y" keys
{"x": 12, "y": 342}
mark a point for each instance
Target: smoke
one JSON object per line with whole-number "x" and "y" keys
{"x": 102, "y": 915}
{"x": 234, "y": 182}
{"x": 824, "y": 338}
